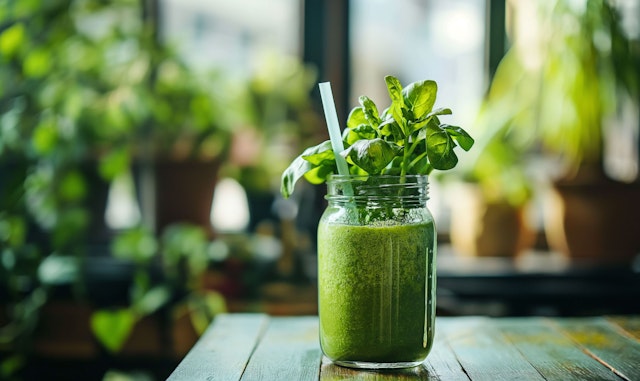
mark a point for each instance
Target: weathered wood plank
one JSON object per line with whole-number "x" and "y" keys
{"x": 484, "y": 353}
{"x": 604, "y": 342}
{"x": 288, "y": 350}
{"x": 630, "y": 324}
{"x": 442, "y": 363}
{"x": 223, "y": 350}
{"x": 555, "y": 356}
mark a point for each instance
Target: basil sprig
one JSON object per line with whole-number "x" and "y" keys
{"x": 406, "y": 138}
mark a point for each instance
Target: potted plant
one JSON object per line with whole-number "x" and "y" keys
{"x": 556, "y": 93}
{"x": 491, "y": 196}
{"x": 275, "y": 117}
{"x": 176, "y": 122}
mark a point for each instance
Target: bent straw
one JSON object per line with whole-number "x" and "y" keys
{"x": 331, "y": 117}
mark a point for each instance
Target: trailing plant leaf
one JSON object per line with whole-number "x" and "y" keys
{"x": 112, "y": 328}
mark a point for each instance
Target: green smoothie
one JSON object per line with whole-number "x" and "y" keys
{"x": 376, "y": 291}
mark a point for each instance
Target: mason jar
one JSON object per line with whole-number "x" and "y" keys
{"x": 376, "y": 272}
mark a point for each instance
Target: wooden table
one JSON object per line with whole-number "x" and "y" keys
{"x": 260, "y": 347}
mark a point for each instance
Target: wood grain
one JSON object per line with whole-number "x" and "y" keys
{"x": 223, "y": 351}
{"x": 604, "y": 342}
{"x": 288, "y": 350}
{"x": 258, "y": 347}
{"x": 555, "y": 356}
{"x": 484, "y": 353}
{"x": 629, "y": 324}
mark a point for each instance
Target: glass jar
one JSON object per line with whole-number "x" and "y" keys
{"x": 376, "y": 272}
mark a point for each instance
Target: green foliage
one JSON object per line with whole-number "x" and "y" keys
{"x": 182, "y": 250}
{"x": 557, "y": 90}
{"x": 86, "y": 89}
{"x": 407, "y": 138}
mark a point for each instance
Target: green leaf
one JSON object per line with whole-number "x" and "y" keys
{"x": 363, "y": 131}
{"x": 420, "y": 97}
{"x": 114, "y": 163}
{"x": 464, "y": 140}
{"x": 420, "y": 165}
{"x": 440, "y": 148}
{"x": 152, "y": 300}
{"x": 12, "y": 39}
{"x": 321, "y": 157}
{"x": 318, "y": 175}
{"x": 72, "y": 186}
{"x": 71, "y": 222}
{"x": 137, "y": 244}
{"x": 397, "y": 102}
{"x": 356, "y": 117}
{"x": 370, "y": 111}
{"x": 112, "y": 328}
{"x": 300, "y": 166}
{"x": 37, "y": 63}
{"x": 372, "y": 155}
{"x": 204, "y": 307}
{"x": 440, "y": 111}
{"x": 45, "y": 136}
{"x": 391, "y": 128}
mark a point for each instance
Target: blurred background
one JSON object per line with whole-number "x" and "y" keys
{"x": 142, "y": 142}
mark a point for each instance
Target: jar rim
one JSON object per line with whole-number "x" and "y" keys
{"x": 381, "y": 179}
{"x": 356, "y": 176}
{"x": 407, "y": 190}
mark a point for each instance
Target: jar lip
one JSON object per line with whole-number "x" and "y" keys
{"x": 335, "y": 175}
{"x": 406, "y": 191}
{"x": 379, "y": 179}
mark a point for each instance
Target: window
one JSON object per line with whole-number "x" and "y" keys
{"x": 230, "y": 34}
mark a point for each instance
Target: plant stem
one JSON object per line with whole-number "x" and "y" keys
{"x": 405, "y": 158}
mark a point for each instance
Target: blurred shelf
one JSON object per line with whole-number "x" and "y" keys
{"x": 535, "y": 283}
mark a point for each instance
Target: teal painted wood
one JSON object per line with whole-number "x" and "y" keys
{"x": 555, "y": 356}
{"x": 223, "y": 350}
{"x": 629, "y": 324}
{"x": 288, "y": 350}
{"x": 604, "y": 342}
{"x": 258, "y": 347}
{"x": 484, "y": 353}
{"x": 442, "y": 364}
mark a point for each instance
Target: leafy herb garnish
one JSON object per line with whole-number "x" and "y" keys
{"x": 407, "y": 138}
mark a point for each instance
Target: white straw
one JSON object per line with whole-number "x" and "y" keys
{"x": 331, "y": 117}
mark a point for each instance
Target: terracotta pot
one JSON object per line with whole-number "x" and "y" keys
{"x": 488, "y": 229}
{"x": 177, "y": 191}
{"x": 594, "y": 222}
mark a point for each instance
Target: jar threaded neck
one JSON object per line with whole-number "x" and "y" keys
{"x": 410, "y": 191}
